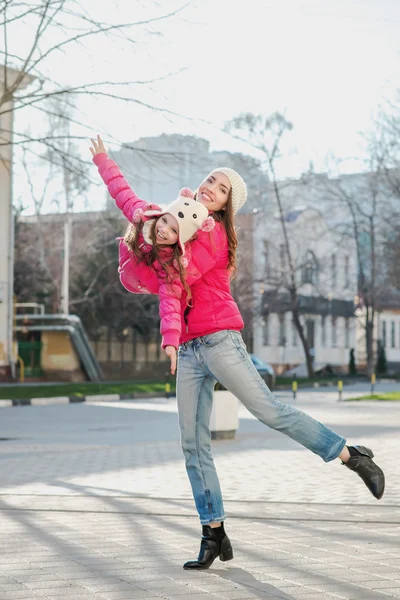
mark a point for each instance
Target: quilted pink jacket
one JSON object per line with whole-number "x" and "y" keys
{"x": 136, "y": 277}
{"x": 212, "y": 307}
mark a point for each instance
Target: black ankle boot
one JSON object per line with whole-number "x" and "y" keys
{"x": 214, "y": 542}
{"x": 361, "y": 462}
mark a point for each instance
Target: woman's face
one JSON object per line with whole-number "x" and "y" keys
{"x": 166, "y": 230}
{"x": 214, "y": 192}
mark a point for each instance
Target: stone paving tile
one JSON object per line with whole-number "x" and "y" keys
{"x": 8, "y": 587}
{"x": 84, "y": 596}
{"x": 381, "y": 584}
{"x": 134, "y": 594}
{"x": 394, "y": 592}
{"x": 48, "y": 585}
{"x": 21, "y": 594}
{"x": 70, "y": 591}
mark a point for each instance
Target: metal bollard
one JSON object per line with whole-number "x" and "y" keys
{"x": 340, "y": 388}
{"x": 294, "y": 387}
{"x": 373, "y": 380}
{"x": 167, "y": 385}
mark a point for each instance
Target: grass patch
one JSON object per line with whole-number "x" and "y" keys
{"x": 390, "y": 396}
{"x": 82, "y": 389}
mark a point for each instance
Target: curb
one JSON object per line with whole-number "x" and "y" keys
{"x": 7, "y": 403}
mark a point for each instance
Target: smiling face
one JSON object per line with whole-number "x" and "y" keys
{"x": 166, "y": 230}
{"x": 214, "y": 192}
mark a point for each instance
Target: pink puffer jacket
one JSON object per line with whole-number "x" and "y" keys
{"x": 211, "y": 307}
{"x": 136, "y": 277}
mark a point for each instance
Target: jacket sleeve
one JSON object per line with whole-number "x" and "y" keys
{"x": 170, "y": 293}
{"x": 125, "y": 198}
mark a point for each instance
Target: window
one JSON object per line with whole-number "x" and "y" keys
{"x": 266, "y": 253}
{"x": 347, "y": 333}
{"x": 384, "y": 334}
{"x": 346, "y": 271}
{"x": 334, "y": 332}
{"x": 294, "y": 334}
{"x": 333, "y": 270}
{"x": 323, "y": 331}
{"x": 393, "y": 334}
{"x": 265, "y": 330}
{"x": 282, "y": 330}
{"x": 309, "y": 271}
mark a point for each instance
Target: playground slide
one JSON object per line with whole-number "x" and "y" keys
{"x": 73, "y": 325}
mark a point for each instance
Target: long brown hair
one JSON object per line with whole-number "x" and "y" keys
{"x": 170, "y": 266}
{"x": 226, "y": 217}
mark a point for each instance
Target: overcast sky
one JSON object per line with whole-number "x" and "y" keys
{"x": 328, "y": 64}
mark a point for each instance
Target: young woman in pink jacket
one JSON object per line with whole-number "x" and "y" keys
{"x": 211, "y": 349}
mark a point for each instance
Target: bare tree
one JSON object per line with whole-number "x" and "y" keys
{"x": 59, "y": 185}
{"x": 363, "y": 200}
{"x": 265, "y": 135}
{"x": 55, "y": 27}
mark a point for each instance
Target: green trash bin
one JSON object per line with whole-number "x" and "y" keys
{"x": 31, "y": 353}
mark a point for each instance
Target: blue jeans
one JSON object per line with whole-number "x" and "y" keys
{"x": 222, "y": 356}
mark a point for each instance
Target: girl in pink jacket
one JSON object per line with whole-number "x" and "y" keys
{"x": 152, "y": 254}
{"x": 212, "y": 349}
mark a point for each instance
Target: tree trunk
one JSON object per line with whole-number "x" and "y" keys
{"x": 369, "y": 343}
{"x": 300, "y": 330}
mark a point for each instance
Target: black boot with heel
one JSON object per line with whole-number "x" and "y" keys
{"x": 361, "y": 462}
{"x": 214, "y": 543}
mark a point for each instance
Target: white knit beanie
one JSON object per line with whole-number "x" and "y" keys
{"x": 239, "y": 189}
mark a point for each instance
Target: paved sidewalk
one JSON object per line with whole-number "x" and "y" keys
{"x": 95, "y": 504}
{"x": 115, "y": 548}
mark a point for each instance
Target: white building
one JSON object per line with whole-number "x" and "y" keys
{"x": 7, "y": 355}
{"x": 326, "y": 276}
{"x": 388, "y": 328}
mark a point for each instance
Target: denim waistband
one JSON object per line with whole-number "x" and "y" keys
{"x": 189, "y": 343}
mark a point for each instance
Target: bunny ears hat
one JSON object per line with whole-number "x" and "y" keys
{"x": 190, "y": 215}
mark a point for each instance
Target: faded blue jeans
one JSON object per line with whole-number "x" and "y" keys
{"x": 222, "y": 356}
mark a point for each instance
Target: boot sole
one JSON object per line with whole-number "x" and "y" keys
{"x": 224, "y": 557}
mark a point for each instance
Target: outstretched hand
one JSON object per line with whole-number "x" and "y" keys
{"x": 98, "y": 146}
{"x": 170, "y": 351}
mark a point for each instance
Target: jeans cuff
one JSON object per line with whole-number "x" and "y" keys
{"x": 335, "y": 453}
{"x": 214, "y": 520}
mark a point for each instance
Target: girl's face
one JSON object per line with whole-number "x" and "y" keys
{"x": 167, "y": 230}
{"x": 214, "y": 192}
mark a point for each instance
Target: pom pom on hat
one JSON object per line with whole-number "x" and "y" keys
{"x": 208, "y": 224}
{"x": 186, "y": 193}
{"x": 138, "y": 215}
{"x": 239, "y": 188}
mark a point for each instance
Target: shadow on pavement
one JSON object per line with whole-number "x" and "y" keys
{"x": 249, "y": 582}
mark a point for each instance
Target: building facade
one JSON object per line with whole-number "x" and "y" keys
{"x": 325, "y": 272}
{"x": 7, "y": 353}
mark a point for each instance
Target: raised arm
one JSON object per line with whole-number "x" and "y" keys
{"x": 125, "y": 198}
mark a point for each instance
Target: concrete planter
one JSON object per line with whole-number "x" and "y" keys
{"x": 224, "y": 416}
